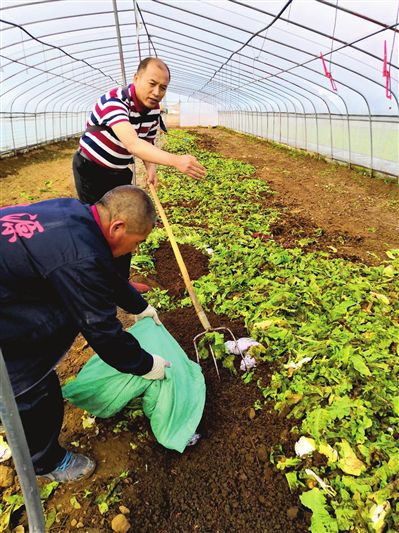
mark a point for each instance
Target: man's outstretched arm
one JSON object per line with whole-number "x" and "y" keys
{"x": 186, "y": 164}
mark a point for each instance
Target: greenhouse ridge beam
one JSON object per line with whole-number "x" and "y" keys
{"x": 350, "y": 12}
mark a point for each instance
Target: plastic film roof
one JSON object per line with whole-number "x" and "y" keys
{"x": 307, "y": 56}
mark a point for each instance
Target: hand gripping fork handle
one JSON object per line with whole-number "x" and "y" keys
{"x": 189, "y": 286}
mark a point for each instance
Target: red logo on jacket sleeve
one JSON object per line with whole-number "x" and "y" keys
{"x": 21, "y": 225}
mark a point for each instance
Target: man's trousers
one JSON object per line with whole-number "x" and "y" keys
{"x": 41, "y": 409}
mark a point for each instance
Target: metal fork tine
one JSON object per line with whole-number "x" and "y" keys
{"x": 197, "y": 337}
{"x": 214, "y": 360}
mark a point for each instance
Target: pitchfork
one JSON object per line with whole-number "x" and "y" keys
{"x": 189, "y": 286}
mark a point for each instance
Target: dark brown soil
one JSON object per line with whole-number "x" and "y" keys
{"x": 293, "y": 230}
{"x": 225, "y": 483}
{"x": 196, "y": 263}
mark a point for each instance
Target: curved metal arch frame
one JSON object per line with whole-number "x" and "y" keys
{"x": 330, "y": 125}
{"x": 67, "y": 98}
{"x": 245, "y": 75}
{"x": 240, "y": 30}
{"x": 314, "y": 109}
{"x": 283, "y": 44}
{"x": 358, "y": 92}
{"x": 304, "y": 114}
{"x": 71, "y": 80}
{"x": 272, "y": 66}
{"x": 325, "y": 102}
{"x": 271, "y": 93}
{"x": 247, "y": 65}
{"x": 281, "y": 57}
{"x": 89, "y": 98}
{"x": 312, "y": 30}
{"x": 214, "y": 96}
{"x": 343, "y": 100}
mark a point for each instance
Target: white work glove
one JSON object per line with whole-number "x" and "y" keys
{"x": 158, "y": 368}
{"x": 149, "y": 311}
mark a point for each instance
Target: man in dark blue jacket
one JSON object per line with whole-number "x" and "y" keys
{"x": 58, "y": 278}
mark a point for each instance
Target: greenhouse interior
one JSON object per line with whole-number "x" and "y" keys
{"x": 199, "y": 267}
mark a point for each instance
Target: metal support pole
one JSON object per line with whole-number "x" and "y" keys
{"x": 12, "y": 135}
{"x": 136, "y": 19}
{"x": 23, "y": 463}
{"x": 118, "y": 37}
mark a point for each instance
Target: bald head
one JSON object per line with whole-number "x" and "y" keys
{"x": 129, "y": 204}
{"x": 151, "y": 81}
{"x": 144, "y": 63}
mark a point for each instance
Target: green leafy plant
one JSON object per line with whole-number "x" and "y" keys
{"x": 142, "y": 263}
{"x": 27, "y": 196}
{"x": 112, "y": 495}
{"x": 161, "y": 300}
{"x": 213, "y": 340}
{"x": 47, "y": 187}
{"x": 329, "y": 327}
{"x": 13, "y": 502}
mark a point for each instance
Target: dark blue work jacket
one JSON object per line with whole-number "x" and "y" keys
{"x": 57, "y": 278}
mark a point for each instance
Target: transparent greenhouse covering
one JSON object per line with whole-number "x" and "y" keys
{"x": 315, "y": 74}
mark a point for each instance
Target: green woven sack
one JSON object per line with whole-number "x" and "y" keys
{"x": 173, "y": 405}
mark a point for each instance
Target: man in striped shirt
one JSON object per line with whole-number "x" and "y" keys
{"x": 122, "y": 124}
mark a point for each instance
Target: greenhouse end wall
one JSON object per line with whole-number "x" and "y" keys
{"x": 371, "y": 142}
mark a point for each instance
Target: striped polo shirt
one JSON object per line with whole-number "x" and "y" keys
{"x": 103, "y": 147}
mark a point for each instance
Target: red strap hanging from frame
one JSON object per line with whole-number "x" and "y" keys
{"x": 327, "y": 73}
{"x": 386, "y": 73}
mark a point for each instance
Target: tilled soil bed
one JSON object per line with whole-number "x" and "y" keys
{"x": 323, "y": 206}
{"x": 223, "y": 484}
{"x": 226, "y": 482}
